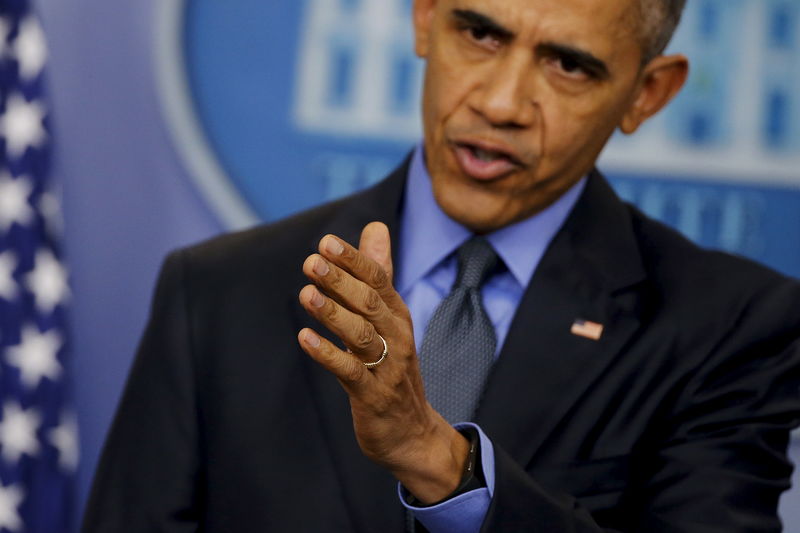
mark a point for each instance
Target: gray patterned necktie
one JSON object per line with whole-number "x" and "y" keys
{"x": 459, "y": 344}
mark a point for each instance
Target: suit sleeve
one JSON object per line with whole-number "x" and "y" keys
{"x": 720, "y": 463}
{"x": 725, "y": 463}
{"x": 149, "y": 474}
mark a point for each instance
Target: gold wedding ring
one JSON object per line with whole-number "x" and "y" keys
{"x": 383, "y": 356}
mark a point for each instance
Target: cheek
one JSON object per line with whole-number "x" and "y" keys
{"x": 576, "y": 124}
{"x": 446, "y": 92}
{"x": 450, "y": 77}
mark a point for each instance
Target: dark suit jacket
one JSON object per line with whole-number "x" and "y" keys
{"x": 677, "y": 419}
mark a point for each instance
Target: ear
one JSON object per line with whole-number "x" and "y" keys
{"x": 661, "y": 80}
{"x": 423, "y": 20}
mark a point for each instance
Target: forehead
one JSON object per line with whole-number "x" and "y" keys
{"x": 600, "y": 25}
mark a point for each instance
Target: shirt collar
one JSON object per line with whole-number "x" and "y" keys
{"x": 428, "y": 235}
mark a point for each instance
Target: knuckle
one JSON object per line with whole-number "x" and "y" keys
{"x": 331, "y": 312}
{"x": 365, "y": 336}
{"x": 380, "y": 279}
{"x": 333, "y": 279}
{"x": 372, "y": 302}
{"x": 352, "y": 370}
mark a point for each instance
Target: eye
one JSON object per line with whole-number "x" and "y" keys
{"x": 483, "y": 36}
{"x": 571, "y": 68}
{"x": 478, "y": 33}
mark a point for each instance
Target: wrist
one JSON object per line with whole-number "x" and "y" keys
{"x": 472, "y": 477}
{"x": 438, "y": 469}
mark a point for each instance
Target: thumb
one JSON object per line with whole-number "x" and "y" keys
{"x": 376, "y": 244}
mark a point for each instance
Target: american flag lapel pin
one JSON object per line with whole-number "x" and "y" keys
{"x": 588, "y": 329}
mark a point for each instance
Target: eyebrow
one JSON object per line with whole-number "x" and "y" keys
{"x": 482, "y": 21}
{"x": 582, "y": 57}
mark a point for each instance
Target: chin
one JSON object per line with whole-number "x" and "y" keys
{"x": 475, "y": 219}
{"x": 470, "y": 203}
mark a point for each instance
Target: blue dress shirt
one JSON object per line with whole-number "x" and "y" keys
{"x": 425, "y": 273}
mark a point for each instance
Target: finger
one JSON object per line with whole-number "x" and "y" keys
{"x": 360, "y": 267}
{"x": 353, "y": 294}
{"x": 345, "y": 366}
{"x": 357, "y": 264}
{"x": 376, "y": 244}
{"x": 357, "y": 333}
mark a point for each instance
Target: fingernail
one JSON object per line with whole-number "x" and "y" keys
{"x": 317, "y": 300}
{"x": 333, "y": 246}
{"x": 311, "y": 339}
{"x": 321, "y": 267}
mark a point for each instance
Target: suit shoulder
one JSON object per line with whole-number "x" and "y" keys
{"x": 267, "y": 239}
{"x": 278, "y": 245}
{"x": 262, "y": 254}
{"x": 710, "y": 281}
{"x": 667, "y": 250}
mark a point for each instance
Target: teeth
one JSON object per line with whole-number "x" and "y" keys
{"x": 485, "y": 155}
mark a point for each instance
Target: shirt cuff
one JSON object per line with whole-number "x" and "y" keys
{"x": 464, "y": 513}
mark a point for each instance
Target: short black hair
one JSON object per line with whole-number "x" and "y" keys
{"x": 659, "y": 19}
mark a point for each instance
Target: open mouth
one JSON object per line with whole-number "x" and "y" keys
{"x": 487, "y": 155}
{"x": 484, "y": 163}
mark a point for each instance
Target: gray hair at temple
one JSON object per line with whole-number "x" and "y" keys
{"x": 659, "y": 19}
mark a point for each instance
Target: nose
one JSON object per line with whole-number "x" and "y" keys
{"x": 506, "y": 98}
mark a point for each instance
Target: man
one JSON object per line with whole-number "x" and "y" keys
{"x": 634, "y": 382}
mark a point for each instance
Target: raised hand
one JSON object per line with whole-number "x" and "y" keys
{"x": 352, "y": 295}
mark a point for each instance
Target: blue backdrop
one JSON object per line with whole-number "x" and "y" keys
{"x": 304, "y": 101}
{"x": 175, "y": 121}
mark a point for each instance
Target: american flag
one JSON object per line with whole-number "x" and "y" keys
{"x": 38, "y": 443}
{"x": 588, "y": 329}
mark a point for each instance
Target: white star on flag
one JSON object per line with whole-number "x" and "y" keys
{"x": 8, "y": 287}
{"x": 14, "y": 206}
{"x": 48, "y": 281}
{"x": 11, "y": 497}
{"x": 22, "y": 124}
{"x": 18, "y": 432}
{"x": 38, "y": 430}
{"x": 65, "y": 439}
{"x": 35, "y": 356}
{"x": 30, "y": 48}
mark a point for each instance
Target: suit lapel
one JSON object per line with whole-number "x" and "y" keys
{"x": 588, "y": 272}
{"x": 368, "y": 490}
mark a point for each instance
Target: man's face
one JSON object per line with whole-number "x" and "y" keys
{"x": 520, "y": 97}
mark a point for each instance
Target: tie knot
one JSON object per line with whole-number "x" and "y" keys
{"x": 476, "y": 259}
